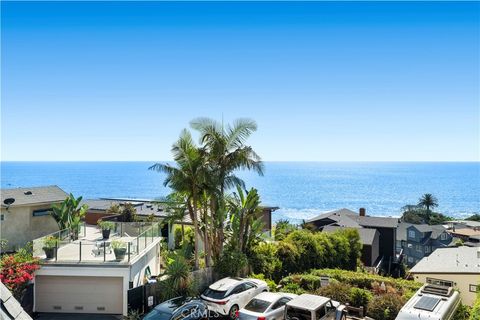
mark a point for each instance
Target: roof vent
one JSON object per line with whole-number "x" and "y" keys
{"x": 28, "y": 193}
{"x": 10, "y": 201}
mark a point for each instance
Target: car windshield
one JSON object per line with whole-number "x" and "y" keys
{"x": 257, "y": 305}
{"x": 156, "y": 314}
{"x": 298, "y": 314}
{"x": 214, "y": 294}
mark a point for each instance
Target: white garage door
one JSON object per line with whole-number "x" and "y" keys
{"x": 78, "y": 294}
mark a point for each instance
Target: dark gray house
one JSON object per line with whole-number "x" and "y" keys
{"x": 383, "y": 231}
{"x": 420, "y": 240}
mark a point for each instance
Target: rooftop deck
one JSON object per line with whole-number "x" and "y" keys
{"x": 91, "y": 248}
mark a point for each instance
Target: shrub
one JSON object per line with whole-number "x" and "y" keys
{"x": 336, "y": 291}
{"x": 385, "y": 306}
{"x": 366, "y": 280}
{"x": 264, "y": 259}
{"x": 106, "y": 225}
{"x": 179, "y": 281}
{"x": 462, "y": 312}
{"x": 293, "y": 288}
{"x": 16, "y": 271}
{"x": 288, "y": 254}
{"x": 305, "y": 281}
{"x": 282, "y": 229}
{"x": 272, "y": 286}
{"x": 359, "y": 297}
{"x": 232, "y": 263}
{"x": 475, "y": 312}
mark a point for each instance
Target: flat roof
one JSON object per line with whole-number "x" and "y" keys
{"x": 32, "y": 195}
{"x": 450, "y": 260}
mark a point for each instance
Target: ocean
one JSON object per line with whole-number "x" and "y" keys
{"x": 301, "y": 189}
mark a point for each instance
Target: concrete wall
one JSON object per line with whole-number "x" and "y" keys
{"x": 20, "y": 226}
{"x": 461, "y": 282}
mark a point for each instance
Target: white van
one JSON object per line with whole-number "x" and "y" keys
{"x": 312, "y": 307}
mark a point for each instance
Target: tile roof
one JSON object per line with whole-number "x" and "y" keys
{"x": 10, "y": 308}
{"x": 33, "y": 195}
{"x": 450, "y": 260}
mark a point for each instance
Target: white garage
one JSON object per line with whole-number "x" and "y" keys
{"x": 76, "y": 294}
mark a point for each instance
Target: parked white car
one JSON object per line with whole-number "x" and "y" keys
{"x": 266, "y": 306}
{"x": 229, "y": 295}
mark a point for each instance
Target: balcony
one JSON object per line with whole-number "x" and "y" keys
{"x": 91, "y": 248}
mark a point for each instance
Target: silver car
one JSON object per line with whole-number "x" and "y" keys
{"x": 266, "y": 306}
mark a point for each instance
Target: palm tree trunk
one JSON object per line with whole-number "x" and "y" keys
{"x": 193, "y": 208}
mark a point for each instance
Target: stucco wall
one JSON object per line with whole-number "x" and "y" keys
{"x": 462, "y": 282}
{"x": 20, "y": 226}
{"x": 150, "y": 259}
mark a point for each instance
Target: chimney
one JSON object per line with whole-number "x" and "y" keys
{"x": 361, "y": 212}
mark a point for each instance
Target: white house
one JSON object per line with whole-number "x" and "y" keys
{"x": 452, "y": 267}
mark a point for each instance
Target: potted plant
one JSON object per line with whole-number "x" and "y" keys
{"x": 120, "y": 249}
{"x": 106, "y": 226}
{"x": 49, "y": 246}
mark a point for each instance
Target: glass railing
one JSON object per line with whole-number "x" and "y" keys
{"x": 126, "y": 241}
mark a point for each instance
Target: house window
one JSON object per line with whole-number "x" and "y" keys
{"x": 41, "y": 212}
{"x": 427, "y": 249}
{"x": 444, "y": 236}
{"x": 474, "y": 288}
{"x": 440, "y": 282}
{"x": 418, "y": 248}
{"x": 411, "y": 233}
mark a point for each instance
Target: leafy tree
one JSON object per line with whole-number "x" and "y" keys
{"x": 128, "y": 212}
{"x": 69, "y": 213}
{"x": 225, "y": 152}
{"x": 428, "y": 201}
{"x": 283, "y": 228}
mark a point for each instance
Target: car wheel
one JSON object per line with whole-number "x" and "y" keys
{"x": 233, "y": 313}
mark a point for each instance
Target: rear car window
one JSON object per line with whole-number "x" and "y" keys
{"x": 257, "y": 305}
{"x": 214, "y": 294}
{"x": 298, "y": 314}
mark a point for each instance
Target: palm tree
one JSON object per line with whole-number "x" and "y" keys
{"x": 186, "y": 176}
{"x": 428, "y": 201}
{"x": 225, "y": 152}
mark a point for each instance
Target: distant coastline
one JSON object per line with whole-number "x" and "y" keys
{"x": 300, "y": 189}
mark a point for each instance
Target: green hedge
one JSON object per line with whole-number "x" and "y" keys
{"x": 365, "y": 280}
{"x": 475, "y": 312}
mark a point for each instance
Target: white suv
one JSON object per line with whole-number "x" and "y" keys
{"x": 229, "y": 295}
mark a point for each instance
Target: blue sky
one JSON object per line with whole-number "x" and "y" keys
{"x": 325, "y": 81}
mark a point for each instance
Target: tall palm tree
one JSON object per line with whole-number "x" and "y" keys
{"x": 428, "y": 201}
{"x": 225, "y": 152}
{"x": 186, "y": 176}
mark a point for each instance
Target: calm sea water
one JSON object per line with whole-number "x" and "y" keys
{"x": 300, "y": 189}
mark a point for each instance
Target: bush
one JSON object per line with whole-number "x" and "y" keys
{"x": 359, "y": 297}
{"x": 385, "y": 306}
{"x": 288, "y": 254}
{"x": 282, "y": 229}
{"x": 475, "y": 312}
{"x": 305, "y": 281}
{"x": 293, "y": 288}
{"x": 366, "y": 280}
{"x": 272, "y": 286}
{"x": 336, "y": 291}
{"x": 232, "y": 263}
{"x": 264, "y": 259}
{"x": 462, "y": 313}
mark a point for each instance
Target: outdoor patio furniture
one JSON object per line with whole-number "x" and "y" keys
{"x": 99, "y": 247}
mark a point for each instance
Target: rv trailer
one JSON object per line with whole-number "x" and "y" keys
{"x": 431, "y": 302}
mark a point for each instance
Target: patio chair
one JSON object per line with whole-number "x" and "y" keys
{"x": 98, "y": 248}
